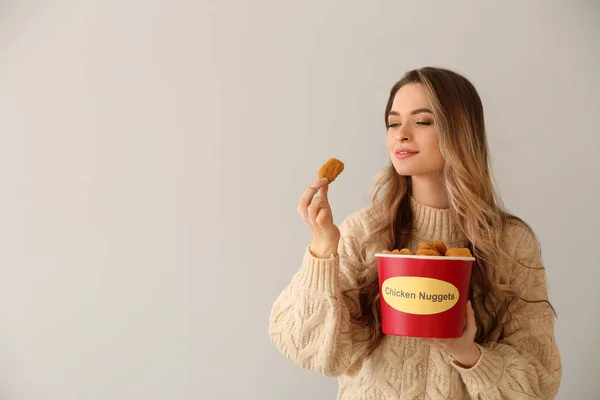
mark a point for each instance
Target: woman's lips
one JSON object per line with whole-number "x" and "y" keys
{"x": 402, "y": 154}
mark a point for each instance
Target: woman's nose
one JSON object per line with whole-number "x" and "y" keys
{"x": 403, "y": 134}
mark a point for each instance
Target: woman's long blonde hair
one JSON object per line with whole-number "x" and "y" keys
{"x": 474, "y": 204}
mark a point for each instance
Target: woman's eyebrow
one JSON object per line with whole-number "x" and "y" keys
{"x": 414, "y": 112}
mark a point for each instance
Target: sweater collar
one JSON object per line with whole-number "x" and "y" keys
{"x": 431, "y": 224}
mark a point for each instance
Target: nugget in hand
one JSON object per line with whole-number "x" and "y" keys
{"x": 331, "y": 169}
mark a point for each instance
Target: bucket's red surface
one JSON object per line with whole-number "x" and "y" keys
{"x": 433, "y": 307}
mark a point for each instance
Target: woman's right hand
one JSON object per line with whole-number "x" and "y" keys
{"x": 316, "y": 211}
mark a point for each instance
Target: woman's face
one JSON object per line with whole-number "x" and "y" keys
{"x": 412, "y": 139}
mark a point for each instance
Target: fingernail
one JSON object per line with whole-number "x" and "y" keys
{"x": 323, "y": 179}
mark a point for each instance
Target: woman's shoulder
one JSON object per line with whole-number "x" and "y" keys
{"x": 519, "y": 240}
{"x": 513, "y": 226}
{"x": 525, "y": 266}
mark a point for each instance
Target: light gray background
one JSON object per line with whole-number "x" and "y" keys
{"x": 152, "y": 154}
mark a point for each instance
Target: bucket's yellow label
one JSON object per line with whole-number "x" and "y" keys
{"x": 417, "y": 295}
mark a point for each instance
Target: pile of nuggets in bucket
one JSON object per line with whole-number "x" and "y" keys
{"x": 436, "y": 248}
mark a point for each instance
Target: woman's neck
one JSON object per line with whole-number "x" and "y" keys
{"x": 430, "y": 191}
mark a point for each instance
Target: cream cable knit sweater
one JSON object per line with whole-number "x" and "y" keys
{"x": 310, "y": 325}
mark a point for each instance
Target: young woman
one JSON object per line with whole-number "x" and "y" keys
{"x": 438, "y": 187}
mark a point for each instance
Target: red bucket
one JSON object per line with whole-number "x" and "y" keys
{"x": 423, "y": 296}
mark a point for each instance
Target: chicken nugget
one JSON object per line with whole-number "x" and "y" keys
{"x": 395, "y": 251}
{"x": 426, "y": 246}
{"x": 331, "y": 169}
{"x": 406, "y": 252}
{"x": 458, "y": 252}
{"x": 440, "y": 246}
{"x": 427, "y": 252}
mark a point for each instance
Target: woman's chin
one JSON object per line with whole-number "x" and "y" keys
{"x": 404, "y": 171}
{"x": 416, "y": 170}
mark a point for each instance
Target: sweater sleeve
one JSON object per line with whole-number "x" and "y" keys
{"x": 525, "y": 363}
{"x": 310, "y": 320}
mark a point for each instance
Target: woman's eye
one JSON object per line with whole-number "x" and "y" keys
{"x": 424, "y": 123}
{"x": 393, "y": 125}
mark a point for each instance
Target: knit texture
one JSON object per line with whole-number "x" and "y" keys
{"x": 310, "y": 325}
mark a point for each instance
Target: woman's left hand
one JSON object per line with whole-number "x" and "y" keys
{"x": 462, "y": 349}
